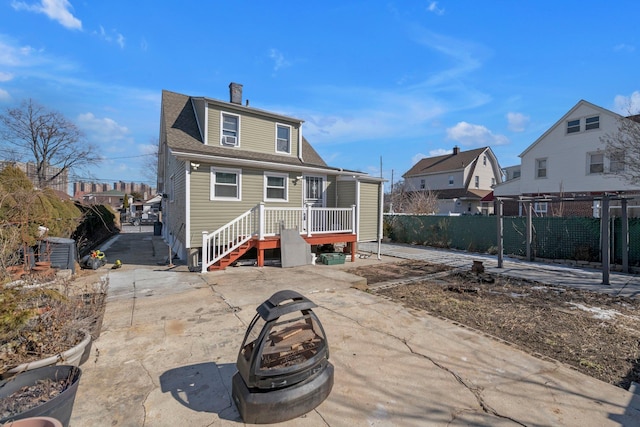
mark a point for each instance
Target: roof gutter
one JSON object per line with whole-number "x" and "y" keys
{"x": 300, "y": 143}
{"x": 184, "y": 156}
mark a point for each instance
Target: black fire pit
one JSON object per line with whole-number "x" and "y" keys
{"x": 283, "y": 364}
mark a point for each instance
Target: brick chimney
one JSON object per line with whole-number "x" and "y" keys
{"x": 235, "y": 93}
{"x": 456, "y": 150}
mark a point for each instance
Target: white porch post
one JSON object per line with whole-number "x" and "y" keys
{"x": 205, "y": 252}
{"x": 309, "y": 222}
{"x": 261, "y": 221}
{"x": 354, "y": 220}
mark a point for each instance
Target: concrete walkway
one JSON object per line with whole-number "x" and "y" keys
{"x": 170, "y": 339}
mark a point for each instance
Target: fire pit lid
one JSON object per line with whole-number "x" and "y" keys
{"x": 273, "y": 307}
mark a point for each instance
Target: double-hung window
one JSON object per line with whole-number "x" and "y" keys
{"x": 616, "y": 161}
{"x": 541, "y": 168}
{"x": 573, "y": 126}
{"x": 423, "y": 184}
{"x": 230, "y": 130}
{"x": 596, "y": 163}
{"x": 450, "y": 179}
{"x": 592, "y": 123}
{"x": 275, "y": 187}
{"x": 477, "y": 181}
{"x": 225, "y": 184}
{"x": 283, "y": 139}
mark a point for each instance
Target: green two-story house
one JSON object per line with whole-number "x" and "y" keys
{"x": 232, "y": 175}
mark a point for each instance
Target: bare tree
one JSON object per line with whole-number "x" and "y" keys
{"x": 416, "y": 202}
{"x": 150, "y": 163}
{"x": 47, "y": 138}
{"x": 623, "y": 149}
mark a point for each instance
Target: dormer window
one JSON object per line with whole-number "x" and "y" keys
{"x": 573, "y": 126}
{"x": 283, "y": 139}
{"x": 230, "y": 130}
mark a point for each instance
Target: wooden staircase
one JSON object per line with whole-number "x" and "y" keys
{"x": 232, "y": 256}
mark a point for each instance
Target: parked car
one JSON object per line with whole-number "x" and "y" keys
{"x": 144, "y": 218}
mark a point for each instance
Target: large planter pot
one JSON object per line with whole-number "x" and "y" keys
{"x": 59, "y": 407}
{"x": 73, "y": 357}
{"x": 34, "y": 422}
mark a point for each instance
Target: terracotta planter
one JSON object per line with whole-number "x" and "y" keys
{"x": 34, "y": 422}
{"x": 58, "y": 407}
{"x": 72, "y": 357}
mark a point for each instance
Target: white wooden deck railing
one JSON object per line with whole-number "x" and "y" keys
{"x": 262, "y": 221}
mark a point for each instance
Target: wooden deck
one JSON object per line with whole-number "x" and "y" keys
{"x": 318, "y": 239}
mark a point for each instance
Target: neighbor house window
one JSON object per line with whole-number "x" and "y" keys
{"x": 484, "y": 160}
{"x": 225, "y": 184}
{"x": 516, "y": 173}
{"x": 616, "y": 162}
{"x": 477, "y": 179}
{"x": 423, "y": 184}
{"x": 230, "y": 130}
{"x": 540, "y": 208}
{"x": 592, "y": 123}
{"x": 493, "y": 182}
{"x": 541, "y": 168}
{"x": 596, "y": 163}
{"x": 450, "y": 179}
{"x": 283, "y": 139}
{"x": 573, "y": 126}
{"x": 275, "y": 187}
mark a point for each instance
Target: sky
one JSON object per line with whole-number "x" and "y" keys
{"x": 379, "y": 84}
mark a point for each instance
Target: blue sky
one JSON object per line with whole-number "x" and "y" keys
{"x": 397, "y": 80}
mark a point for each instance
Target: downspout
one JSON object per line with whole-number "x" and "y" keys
{"x": 300, "y": 143}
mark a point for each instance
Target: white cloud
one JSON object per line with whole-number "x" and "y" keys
{"x": 517, "y": 121}
{"x": 57, "y": 10}
{"x": 626, "y": 105}
{"x": 102, "y": 131}
{"x": 433, "y": 7}
{"x": 12, "y": 55}
{"x": 112, "y": 36}
{"x": 5, "y": 77}
{"x": 623, "y": 47}
{"x": 439, "y": 152}
{"x": 4, "y": 96}
{"x": 475, "y": 135}
{"x": 278, "y": 60}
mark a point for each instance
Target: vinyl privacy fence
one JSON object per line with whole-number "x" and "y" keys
{"x": 572, "y": 238}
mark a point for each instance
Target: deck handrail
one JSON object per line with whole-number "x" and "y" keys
{"x": 261, "y": 221}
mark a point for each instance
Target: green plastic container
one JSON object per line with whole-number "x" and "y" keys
{"x": 332, "y": 259}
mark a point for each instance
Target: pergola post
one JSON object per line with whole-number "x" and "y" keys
{"x": 624, "y": 218}
{"x": 500, "y": 234}
{"x": 529, "y": 232}
{"x": 604, "y": 240}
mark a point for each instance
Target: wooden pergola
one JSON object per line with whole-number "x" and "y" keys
{"x": 605, "y": 248}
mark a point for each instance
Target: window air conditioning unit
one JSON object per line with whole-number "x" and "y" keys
{"x": 229, "y": 140}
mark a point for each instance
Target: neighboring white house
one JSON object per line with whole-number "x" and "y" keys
{"x": 569, "y": 159}
{"x": 460, "y": 180}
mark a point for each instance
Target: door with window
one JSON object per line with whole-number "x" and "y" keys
{"x": 314, "y": 196}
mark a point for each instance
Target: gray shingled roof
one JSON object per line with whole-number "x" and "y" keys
{"x": 446, "y": 163}
{"x": 183, "y": 135}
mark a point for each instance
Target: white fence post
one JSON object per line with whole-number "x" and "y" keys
{"x": 205, "y": 252}
{"x": 261, "y": 221}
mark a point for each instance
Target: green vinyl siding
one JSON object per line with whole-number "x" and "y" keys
{"x": 346, "y": 194}
{"x": 175, "y": 216}
{"x": 209, "y": 215}
{"x": 257, "y": 133}
{"x": 369, "y": 211}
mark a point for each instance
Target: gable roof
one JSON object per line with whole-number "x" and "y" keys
{"x": 183, "y": 135}
{"x": 445, "y": 163}
{"x": 564, "y": 118}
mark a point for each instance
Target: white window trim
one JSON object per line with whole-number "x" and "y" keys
{"x": 222, "y": 114}
{"x": 212, "y": 190}
{"x": 566, "y": 129}
{"x": 540, "y": 207}
{"x": 286, "y": 186}
{"x": 451, "y": 180}
{"x": 537, "y": 168}
{"x": 476, "y": 181}
{"x": 290, "y": 137}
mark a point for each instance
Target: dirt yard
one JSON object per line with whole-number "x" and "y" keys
{"x": 599, "y": 335}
